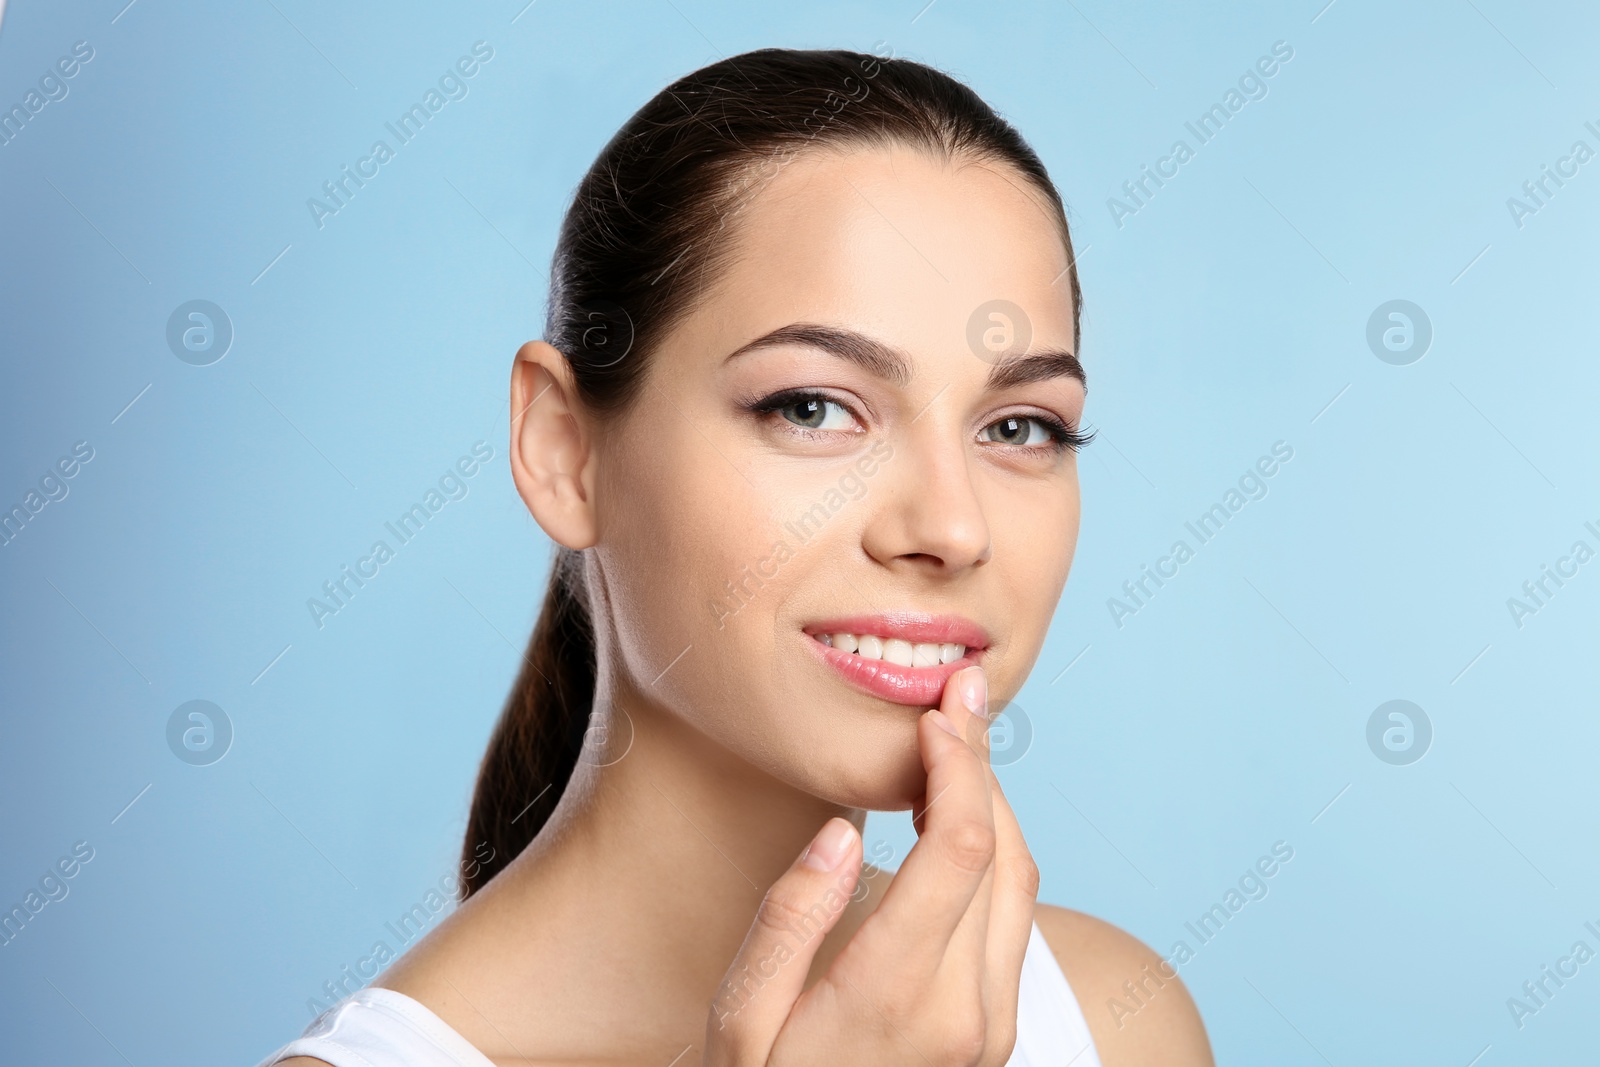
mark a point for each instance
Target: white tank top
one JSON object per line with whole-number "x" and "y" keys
{"x": 376, "y": 1027}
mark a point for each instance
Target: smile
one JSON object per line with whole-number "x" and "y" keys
{"x": 904, "y": 658}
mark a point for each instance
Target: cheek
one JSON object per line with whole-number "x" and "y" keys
{"x": 1035, "y": 557}
{"x": 688, "y": 553}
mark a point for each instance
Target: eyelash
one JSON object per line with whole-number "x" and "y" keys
{"x": 1063, "y": 438}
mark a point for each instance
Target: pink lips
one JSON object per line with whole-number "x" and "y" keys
{"x": 921, "y": 686}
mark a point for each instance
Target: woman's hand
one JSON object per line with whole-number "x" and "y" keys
{"x": 931, "y": 976}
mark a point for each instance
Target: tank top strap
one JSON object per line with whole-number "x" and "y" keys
{"x": 376, "y": 1027}
{"x": 1051, "y": 1028}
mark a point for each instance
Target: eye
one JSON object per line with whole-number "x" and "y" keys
{"x": 817, "y": 413}
{"x": 1033, "y": 431}
{"x": 1013, "y": 430}
{"x": 808, "y": 410}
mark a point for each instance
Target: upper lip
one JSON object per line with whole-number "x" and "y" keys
{"x": 914, "y": 626}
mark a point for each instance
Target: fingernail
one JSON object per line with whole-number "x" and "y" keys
{"x": 942, "y": 721}
{"x": 974, "y": 690}
{"x": 827, "y": 849}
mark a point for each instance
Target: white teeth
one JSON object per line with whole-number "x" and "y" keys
{"x": 895, "y": 650}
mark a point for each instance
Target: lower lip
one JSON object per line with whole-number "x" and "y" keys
{"x": 918, "y": 686}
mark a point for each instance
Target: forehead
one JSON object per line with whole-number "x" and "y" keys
{"x": 894, "y": 241}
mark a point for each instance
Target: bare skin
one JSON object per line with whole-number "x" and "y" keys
{"x": 727, "y": 745}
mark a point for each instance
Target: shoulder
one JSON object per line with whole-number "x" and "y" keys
{"x": 1136, "y": 1006}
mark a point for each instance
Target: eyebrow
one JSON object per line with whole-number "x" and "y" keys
{"x": 891, "y": 364}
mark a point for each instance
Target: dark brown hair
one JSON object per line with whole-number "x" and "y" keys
{"x": 647, "y": 232}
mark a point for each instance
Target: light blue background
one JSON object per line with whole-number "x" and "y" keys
{"x": 1222, "y": 317}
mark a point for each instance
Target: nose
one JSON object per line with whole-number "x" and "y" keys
{"x": 930, "y": 517}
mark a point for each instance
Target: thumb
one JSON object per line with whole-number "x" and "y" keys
{"x": 768, "y": 974}
{"x": 954, "y": 715}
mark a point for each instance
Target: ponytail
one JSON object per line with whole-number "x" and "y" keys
{"x": 535, "y": 745}
{"x": 643, "y": 238}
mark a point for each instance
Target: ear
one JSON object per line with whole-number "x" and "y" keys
{"x": 552, "y": 461}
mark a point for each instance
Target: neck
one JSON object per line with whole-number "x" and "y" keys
{"x": 641, "y": 887}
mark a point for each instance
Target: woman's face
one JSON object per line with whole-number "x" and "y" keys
{"x": 860, "y": 472}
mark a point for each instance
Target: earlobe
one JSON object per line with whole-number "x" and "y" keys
{"x": 552, "y": 462}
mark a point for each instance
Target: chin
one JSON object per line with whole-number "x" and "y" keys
{"x": 877, "y": 769}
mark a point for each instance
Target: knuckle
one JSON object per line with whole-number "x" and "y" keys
{"x": 783, "y": 910}
{"x": 1024, "y": 872}
{"x": 970, "y": 845}
{"x": 963, "y": 1037}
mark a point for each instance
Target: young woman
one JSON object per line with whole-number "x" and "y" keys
{"x": 804, "y": 430}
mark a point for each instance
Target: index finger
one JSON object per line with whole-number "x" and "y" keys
{"x": 1016, "y": 889}
{"x": 935, "y": 887}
